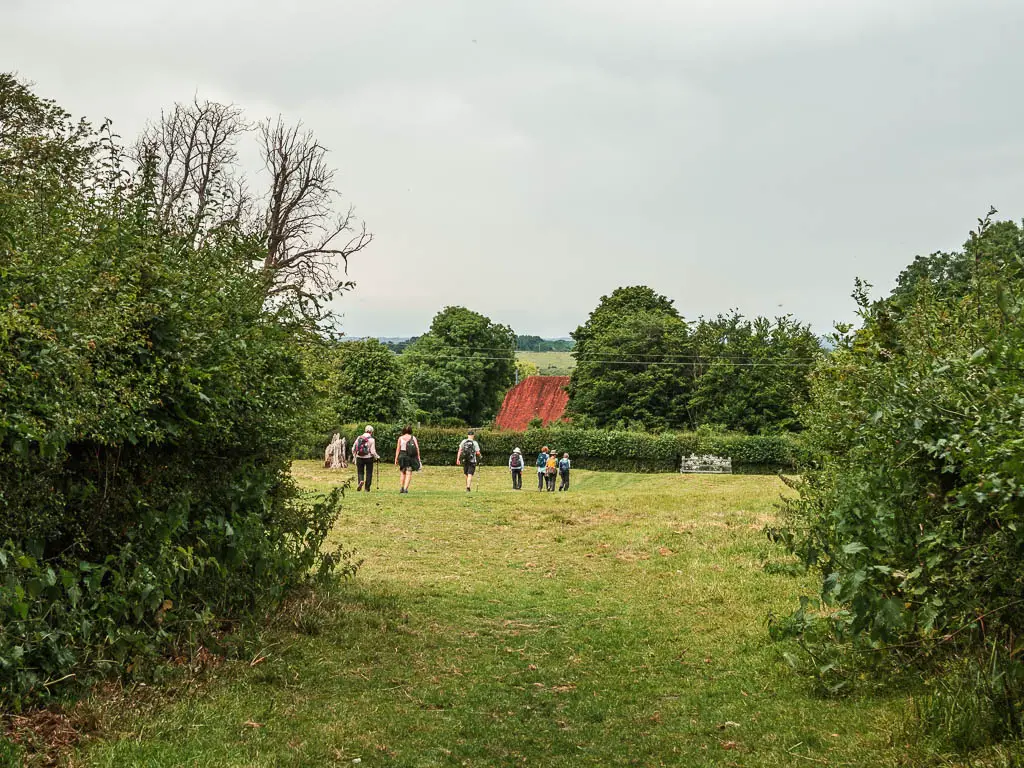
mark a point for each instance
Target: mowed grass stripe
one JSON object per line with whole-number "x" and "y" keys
{"x": 621, "y": 623}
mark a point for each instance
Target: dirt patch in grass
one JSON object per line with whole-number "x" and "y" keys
{"x": 47, "y": 735}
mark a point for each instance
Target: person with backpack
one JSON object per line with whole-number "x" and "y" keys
{"x": 550, "y": 470}
{"x": 542, "y": 462}
{"x": 515, "y": 465}
{"x": 407, "y": 457}
{"x": 468, "y": 456}
{"x": 365, "y": 451}
{"x": 563, "y": 472}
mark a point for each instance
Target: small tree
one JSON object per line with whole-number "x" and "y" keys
{"x": 631, "y": 357}
{"x": 367, "y": 383}
{"x": 751, "y": 375}
{"x": 461, "y": 367}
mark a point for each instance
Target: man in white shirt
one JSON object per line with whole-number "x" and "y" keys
{"x": 365, "y": 451}
{"x": 468, "y": 456}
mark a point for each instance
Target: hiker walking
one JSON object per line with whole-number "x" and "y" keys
{"x": 550, "y": 470}
{"x": 468, "y": 456}
{"x": 563, "y": 472}
{"x": 542, "y": 462}
{"x": 407, "y": 457}
{"x": 365, "y": 451}
{"x": 515, "y": 465}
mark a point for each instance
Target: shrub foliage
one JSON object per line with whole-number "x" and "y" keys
{"x": 914, "y": 513}
{"x": 148, "y": 406}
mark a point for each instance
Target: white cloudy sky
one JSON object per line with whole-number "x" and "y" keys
{"x": 524, "y": 158}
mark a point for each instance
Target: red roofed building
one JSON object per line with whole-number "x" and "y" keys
{"x": 535, "y": 397}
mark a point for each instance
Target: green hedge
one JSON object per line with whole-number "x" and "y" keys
{"x": 150, "y": 399}
{"x": 618, "y": 451}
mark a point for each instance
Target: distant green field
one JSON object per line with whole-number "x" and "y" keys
{"x": 550, "y": 363}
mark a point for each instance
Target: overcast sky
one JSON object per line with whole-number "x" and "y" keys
{"x": 524, "y": 158}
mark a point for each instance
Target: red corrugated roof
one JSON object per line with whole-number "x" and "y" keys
{"x": 542, "y": 397}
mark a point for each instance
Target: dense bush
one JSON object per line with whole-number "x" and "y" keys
{"x": 148, "y": 406}
{"x": 914, "y": 515}
{"x": 598, "y": 449}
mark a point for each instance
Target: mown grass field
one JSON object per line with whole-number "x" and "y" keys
{"x": 622, "y": 623}
{"x": 550, "y": 363}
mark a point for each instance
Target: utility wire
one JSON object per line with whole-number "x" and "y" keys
{"x": 599, "y": 356}
{"x": 676, "y": 363}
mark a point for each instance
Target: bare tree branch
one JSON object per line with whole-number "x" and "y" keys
{"x": 301, "y": 231}
{"x": 190, "y": 153}
{"x": 193, "y": 151}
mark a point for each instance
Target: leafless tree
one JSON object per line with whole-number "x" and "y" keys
{"x": 306, "y": 239}
{"x": 192, "y": 155}
{"x": 192, "y": 150}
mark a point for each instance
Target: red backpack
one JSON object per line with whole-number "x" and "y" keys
{"x": 362, "y": 447}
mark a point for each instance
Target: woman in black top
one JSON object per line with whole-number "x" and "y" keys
{"x": 407, "y": 457}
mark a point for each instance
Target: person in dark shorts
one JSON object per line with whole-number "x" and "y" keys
{"x": 468, "y": 456}
{"x": 365, "y": 451}
{"x": 542, "y": 462}
{"x": 407, "y": 457}
{"x": 515, "y": 465}
{"x": 563, "y": 472}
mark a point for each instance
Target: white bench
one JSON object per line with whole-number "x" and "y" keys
{"x": 706, "y": 465}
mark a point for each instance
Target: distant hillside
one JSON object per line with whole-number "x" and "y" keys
{"x": 538, "y": 344}
{"x": 397, "y": 344}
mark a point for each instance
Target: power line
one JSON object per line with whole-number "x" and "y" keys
{"x": 633, "y": 357}
{"x": 674, "y": 363}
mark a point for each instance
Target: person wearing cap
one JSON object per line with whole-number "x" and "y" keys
{"x": 365, "y": 451}
{"x": 542, "y": 462}
{"x": 468, "y": 456}
{"x": 515, "y": 465}
{"x": 550, "y": 470}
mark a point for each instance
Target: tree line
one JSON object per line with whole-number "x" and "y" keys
{"x": 537, "y": 344}
{"x": 640, "y": 366}
{"x": 456, "y": 373}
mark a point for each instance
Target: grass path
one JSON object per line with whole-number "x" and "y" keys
{"x": 622, "y": 623}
